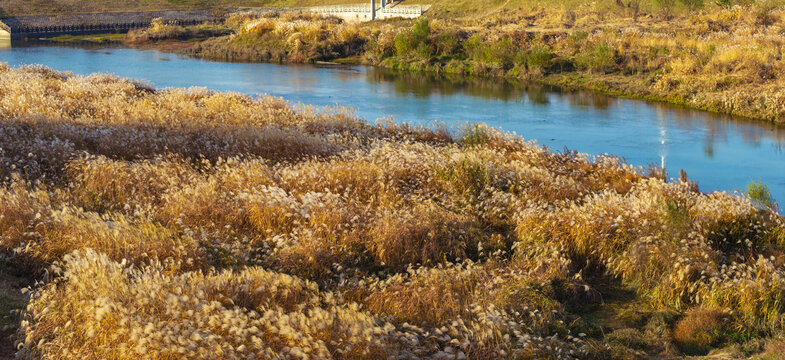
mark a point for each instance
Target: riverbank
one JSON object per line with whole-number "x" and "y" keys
{"x": 173, "y": 215}
{"x": 720, "y": 59}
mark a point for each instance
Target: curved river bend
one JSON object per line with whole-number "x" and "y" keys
{"x": 720, "y": 152}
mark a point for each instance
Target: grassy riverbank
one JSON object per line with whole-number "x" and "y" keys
{"x": 719, "y": 58}
{"x": 193, "y": 224}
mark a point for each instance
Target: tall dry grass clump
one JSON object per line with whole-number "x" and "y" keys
{"x": 185, "y": 223}
{"x": 160, "y": 30}
{"x": 294, "y": 37}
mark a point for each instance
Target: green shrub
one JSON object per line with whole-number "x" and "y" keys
{"x": 424, "y": 50}
{"x": 693, "y": 4}
{"x": 539, "y": 57}
{"x": 723, "y": 3}
{"x": 579, "y": 35}
{"x": 475, "y": 135}
{"x": 414, "y": 39}
{"x": 759, "y": 195}
{"x": 474, "y": 47}
{"x": 448, "y": 44}
{"x": 600, "y": 58}
{"x": 502, "y": 52}
{"x": 467, "y": 177}
{"x": 421, "y": 30}
{"x": 666, "y": 6}
{"x": 403, "y": 44}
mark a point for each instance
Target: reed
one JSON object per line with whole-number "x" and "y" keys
{"x": 186, "y": 223}
{"x": 711, "y": 56}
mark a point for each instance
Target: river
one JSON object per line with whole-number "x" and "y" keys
{"x": 720, "y": 152}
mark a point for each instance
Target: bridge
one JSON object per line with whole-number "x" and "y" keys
{"x": 85, "y": 24}
{"x": 5, "y": 31}
{"x": 385, "y": 10}
{"x": 35, "y": 27}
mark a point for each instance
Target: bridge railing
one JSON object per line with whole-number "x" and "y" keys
{"x": 408, "y": 10}
{"x": 400, "y": 9}
{"x": 341, "y": 8}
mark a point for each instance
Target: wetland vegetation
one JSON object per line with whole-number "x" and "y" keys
{"x": 722, "y": 57}
{"x": 189, "y": 223}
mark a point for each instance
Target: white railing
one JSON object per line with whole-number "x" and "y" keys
{"x": 392, "y": 9}
{"x": 408, "y": 10}
{"x": 341, "y": 9}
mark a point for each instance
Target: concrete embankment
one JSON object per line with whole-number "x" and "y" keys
{"x": 83, "y": 24}
{"x": 5, "y": 31}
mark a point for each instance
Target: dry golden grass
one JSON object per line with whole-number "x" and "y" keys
{"x": 723, "y": 58}
{"x": 700, "y": 330}
{"x": 184, "y": 223}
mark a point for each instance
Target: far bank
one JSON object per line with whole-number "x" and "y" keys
{"x": 723, "y": 59}
{"x": 720, "y": 59}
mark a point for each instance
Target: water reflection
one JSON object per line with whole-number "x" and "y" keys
{"x": 720, "y": 152}
{"x": 589, "y": 100}
{"x": 425, "y": 85}
{"x": 76, "y": 44}
{"x": 5, "y": 43}
{"x": 715, "y": 126}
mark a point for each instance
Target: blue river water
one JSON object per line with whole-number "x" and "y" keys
{"x": 720, "y": 152}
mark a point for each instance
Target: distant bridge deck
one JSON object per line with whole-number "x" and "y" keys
{"x": 353, "y": 12}
{"x": 363, "y": 12}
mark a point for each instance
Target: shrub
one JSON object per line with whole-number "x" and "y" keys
{"x": 539, "y": 57}
{"x": 158, "y": 30}
{"x": 693, "y": 4}
{"x": 421, "y": 30}
{"x": 415, "y": 39}
{"x": 476, "y": 135}
{"x": 404, "y": 43}
{"x": 700, "y": 330}
{"x": 424, "y": 50}
{"x": 724, "y": 3}
{"x": 759, "y": 194}
{"x": 448, "y": 44}
{"x": 666, "y": 6}
{"x": 475, "y": 47}
{"x": 599, "y": 58}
